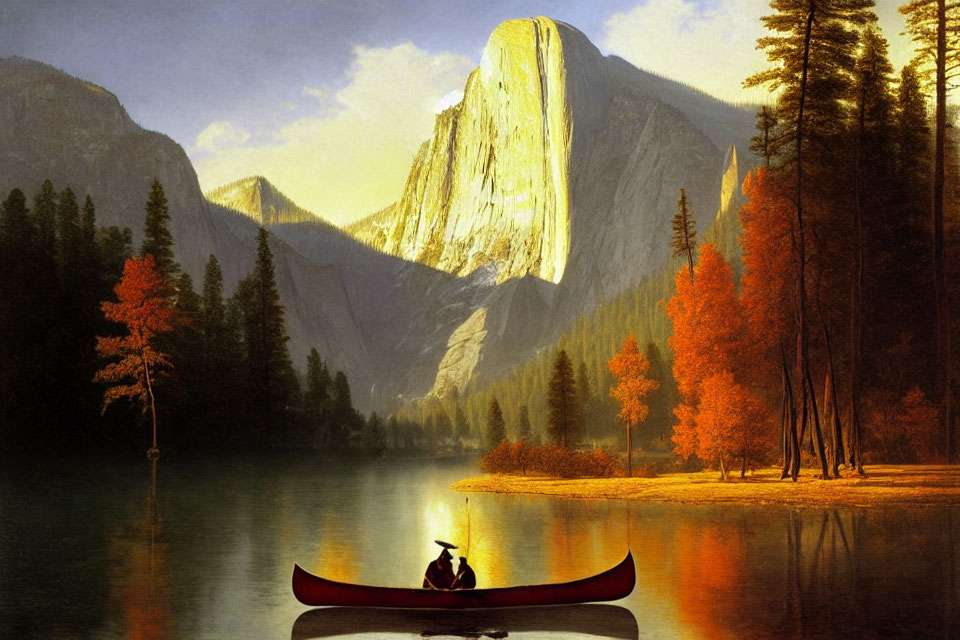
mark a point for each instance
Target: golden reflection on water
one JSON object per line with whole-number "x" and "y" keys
{"x": 477, "y": 536}
{"x": 334, "y": 557}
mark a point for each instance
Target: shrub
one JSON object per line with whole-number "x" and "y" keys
{"x": 521, "y": 457}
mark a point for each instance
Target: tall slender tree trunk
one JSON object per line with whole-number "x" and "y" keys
{"x": 153, "y": 452}
{"x": 830, "y": 402}
{"x": 723, "y": 469}
{"x": 817, "y": 434}
{"x": 801, "y": 294}
{"x": 791, "y": 445}
{"x": 940, "y": 291}
{"x": 803, "y": 365}
{"x": 629, "y": 451}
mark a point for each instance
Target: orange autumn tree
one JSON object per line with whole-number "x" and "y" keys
{"x": 629, "y": 367}
{"x": 728, "y": 422}
{"x": 143, "y": 308}
{"x": 767, "y": 296}
{"x": 708, "y": 345}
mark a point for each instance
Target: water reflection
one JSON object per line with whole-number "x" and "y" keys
{"x": 141, "y": 574}
{"x": 605, "y": 621}
{"x": 207, "y": 549}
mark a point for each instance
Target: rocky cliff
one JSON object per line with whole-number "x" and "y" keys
{"x": 559, "y": 165}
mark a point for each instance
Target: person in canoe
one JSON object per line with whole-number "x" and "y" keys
{"x": 439, "y": 573}
{"x": 466, "y": 578}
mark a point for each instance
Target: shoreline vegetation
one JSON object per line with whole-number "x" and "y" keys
{"x": 884, "y": 485}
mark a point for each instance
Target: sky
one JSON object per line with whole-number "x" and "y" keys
{"x": 330, "y": 99}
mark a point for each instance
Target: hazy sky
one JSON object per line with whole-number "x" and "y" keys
{"x": 329, "y": 99}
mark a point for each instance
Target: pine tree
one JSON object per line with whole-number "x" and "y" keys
{"x": 317, "y": 395}
{"x": 496, "y": 427}
{"x": 873, "y": 174}
{"x": 684, "y": 241}
{"x": 524, "y": 431}
{"x": 935, "y": 28}
{"x": 766, "y": 143}
{"x": 564, "y": 422}
{"x": 811, "y": 55}
{"x": 343, "y": 417}
{"x": 69, "y": 236}
{"x": 17, "y": 325}
{"x": 585, "y": 398}
{"x": 157, "y": 239}
{"x": 271, "y": 379}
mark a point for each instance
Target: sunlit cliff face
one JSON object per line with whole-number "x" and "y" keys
{"x": 492, "y": 184}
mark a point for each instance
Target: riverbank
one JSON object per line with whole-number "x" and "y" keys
{"x": 888, "y": 485}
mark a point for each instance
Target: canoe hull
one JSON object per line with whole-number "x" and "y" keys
{"x": 613, "y": 584}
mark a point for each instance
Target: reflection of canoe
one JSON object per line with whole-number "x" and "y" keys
{"x": 612, "y": 584}
{"x": 604, "y": 620}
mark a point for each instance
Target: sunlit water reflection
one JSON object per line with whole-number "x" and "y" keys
{"x": 206, "y": 551}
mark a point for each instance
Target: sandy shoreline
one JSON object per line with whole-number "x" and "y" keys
{"x": 886, "y": 485}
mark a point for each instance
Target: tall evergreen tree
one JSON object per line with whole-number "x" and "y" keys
{"x": 69, "y": 236}
{"x": 811, "y": 51}
{"x": 935, "y": 28}
{"x": 765, "y": 143}
{"x": 45, "y": 221}
{"x": 317, "y": 396}
{"x": 496, "y": 427}
{"x": 343, "y": 417}
{"x": 524, "y": 431}
{"x": 564, "y": 421}
{"x": 684, "y": 241}
{"x": 271, "y": 380}
{"x": 157, "y": 239}
{"x": 585, "y": 396}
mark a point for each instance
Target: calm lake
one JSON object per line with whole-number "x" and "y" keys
{"x": 206, "y": 550}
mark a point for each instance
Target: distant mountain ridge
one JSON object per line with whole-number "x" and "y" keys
{"x": 256, "y": 198}
{"x": 547, "y": 191}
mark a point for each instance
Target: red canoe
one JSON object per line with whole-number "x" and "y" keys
{"x": 612, "y": 584}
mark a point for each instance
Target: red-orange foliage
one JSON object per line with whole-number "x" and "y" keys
{"x": 143, "y": 308}
{"x": 729, "y": 423}
{"x": 520, "y": 457}
{"x": 629, "y": 367}
{"x": 685, "y": 431}
{"x": 903, "y": 429}
{"x": 707, "y": 323}
{"x": 769, "y": 269}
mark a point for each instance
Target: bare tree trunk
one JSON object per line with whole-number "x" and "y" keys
{"x": 831, "y": 405}
{"x": 723, "y": 469}
{"x": 153, "y": 451}
{"x": 743, "y": 464}
{"x": 940, "y": 292}
{"x": 629, "y": 451}
{"x": 817, "y": 434}
{"x": 801, "y": 301}
{"x": 791, "y": 458}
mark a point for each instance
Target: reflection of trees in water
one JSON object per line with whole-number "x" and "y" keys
{"x": 143, "y": 588}
{"x": 866, "y": 571}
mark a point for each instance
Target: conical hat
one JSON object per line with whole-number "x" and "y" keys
{"x": 445, "y": 545}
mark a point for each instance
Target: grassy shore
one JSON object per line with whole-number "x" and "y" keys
{"x": 906, "y": 485}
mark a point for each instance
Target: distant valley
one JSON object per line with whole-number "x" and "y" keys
{"x": 548, "y": 190}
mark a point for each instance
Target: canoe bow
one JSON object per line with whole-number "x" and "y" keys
{"x": 612, "y": 584}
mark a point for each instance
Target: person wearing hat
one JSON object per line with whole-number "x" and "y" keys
{"x": 439, "y": 573}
